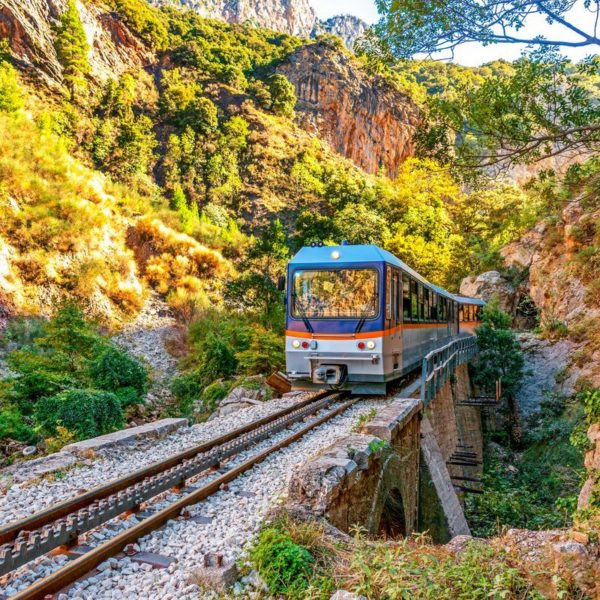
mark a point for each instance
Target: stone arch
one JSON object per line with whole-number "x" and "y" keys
{"x": 392, "y": 524}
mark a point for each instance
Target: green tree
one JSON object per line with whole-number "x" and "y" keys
{"x": 545, "y": 106}
{"x": 360, "y": 224}
{"x": 409, "y": 28}
{"x": 256, "y": 289}
{"x": 11, "y": 94}
{"x": 500, "y": 355}
{"x": 72, "y": 48}
{"x": 283, "y": 95}
{"x": 145, "y": 21}
{"x": 188, "y": 215}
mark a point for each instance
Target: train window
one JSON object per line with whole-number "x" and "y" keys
{"x": 421, "y": 302}
{"x": 461, "y": 313}
{"x": 388, "y": 292}
{"x": 406, "y": 298}
{"x": 478, "y": 315}
{"x": 434, "y": 307}
{"x": 335, "y": 294}
{"x": 414, "y": 300}
{"x": 425, "y": 304}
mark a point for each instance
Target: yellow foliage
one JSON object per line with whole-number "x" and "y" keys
{"x": 178, "y": 266}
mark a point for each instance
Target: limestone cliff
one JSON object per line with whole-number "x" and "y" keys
{"x": 347, "y": 27}
{"x": 363, "y": 117}
{"x": 28, "y": 26}
{"x": 295, "y": 17}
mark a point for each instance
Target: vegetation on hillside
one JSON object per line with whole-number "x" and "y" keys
{"x": 301, "y": 561}
{"x": 66, "y": 379}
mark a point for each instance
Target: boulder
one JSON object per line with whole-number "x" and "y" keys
{"x": 491, "y": 285}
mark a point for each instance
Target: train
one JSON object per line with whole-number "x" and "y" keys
{"x": 358, "y": 318}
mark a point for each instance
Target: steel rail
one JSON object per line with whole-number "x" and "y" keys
{"x": 79, "y": 567}
{"x": 65, "y": 530}
{"x": 62, "y": 509}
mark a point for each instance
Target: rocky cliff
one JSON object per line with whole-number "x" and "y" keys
{"x": 347, "y": 27}
{"x": 29, "y": 28}
{"x": 363, "y": 117}
{"x": 295, "y": 17}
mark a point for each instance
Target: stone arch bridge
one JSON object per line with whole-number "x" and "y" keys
{"x": 409, "y": 467}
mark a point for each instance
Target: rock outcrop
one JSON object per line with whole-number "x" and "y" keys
{"x": 347, "y": 27}
{"x": 561, "y": 282}
{"x": 363, "y": 117}
{"x": 295, "y": 17}
{"x": 29, "y": 28}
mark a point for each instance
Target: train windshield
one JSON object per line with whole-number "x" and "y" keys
{"x": 335, "y": 293}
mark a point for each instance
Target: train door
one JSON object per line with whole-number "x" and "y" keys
{"x": 393, "y": 345}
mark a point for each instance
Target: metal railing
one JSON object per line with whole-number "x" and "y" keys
{"x": 439, "y": 365}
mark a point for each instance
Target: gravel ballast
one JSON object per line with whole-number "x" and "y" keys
{"x": 235, "y": 514}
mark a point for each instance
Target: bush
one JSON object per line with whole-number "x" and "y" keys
{"x": 115, "y": 371}
{"x": 86, "y": 413}
{"x": 12, "y": 426}
{"x": 283, "y": 95}
{"x": 143, "y": 20}
{"x": 264, "y": 355}
{"x": 11, "y": 95}
{"x": 284, "y": 565}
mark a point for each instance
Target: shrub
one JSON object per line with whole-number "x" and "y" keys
{"x": 264, "y": 355}
{"x": 11, "y": 95}
{"x": 13, "y": 426}
{"x": 87, "y": 413}
{"x": 284, "y": 565}
{"x": 283, "y": 95}
{"x": 144, "y": 21}
{"x": 115, "y": 371}
{"x": 214, "y": 393}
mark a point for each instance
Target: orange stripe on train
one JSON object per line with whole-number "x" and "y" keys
{"x": 363, "y": 336}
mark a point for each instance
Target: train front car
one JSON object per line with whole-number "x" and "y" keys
{"x": 358, "y": 318}
{"x": 335, "y": 318}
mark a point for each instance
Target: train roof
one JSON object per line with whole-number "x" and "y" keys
{"x": 469, "y": 300}
{"x": 350, "y": 253}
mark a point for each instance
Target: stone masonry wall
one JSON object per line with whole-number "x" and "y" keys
{"x": 350, "y": 482}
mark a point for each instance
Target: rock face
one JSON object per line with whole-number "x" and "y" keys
{"x": 592, "y": 464}
{"x": 554, "y": 259}
{"x": 347, "y": 27}
{"x": 295, "y": 17}
{"x": 29, "y": 28}
{"x": 363, "y": 117}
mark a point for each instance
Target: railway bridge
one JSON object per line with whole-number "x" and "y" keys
{"x": 408, "y": 467}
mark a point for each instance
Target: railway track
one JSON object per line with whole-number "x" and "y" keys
{"x": 60, "y": 526}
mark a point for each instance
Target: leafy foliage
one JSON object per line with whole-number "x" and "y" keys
{"x": 72, "y": 48}
{"x": 500, "y": 355}
{"x": 283, "y": 564}
{"x": 536, "y": 488}
{"x": 87, "y": 413}
{"x": 543, "y": 107}
{"x": 144, "y": 21}
{"x": 283, "y": 95}
{"x": 408, "y": 28}
{"x": 68, "y": 375}
{"x": 11, "y": 94}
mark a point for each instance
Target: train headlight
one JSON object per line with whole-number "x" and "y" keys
{"x": 370, "y": 345}
{"x": 361, "y": 345}
{"x": 295, "y": 344}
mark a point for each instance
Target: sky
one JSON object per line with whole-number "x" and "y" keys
{"x": 471, "y": 54}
